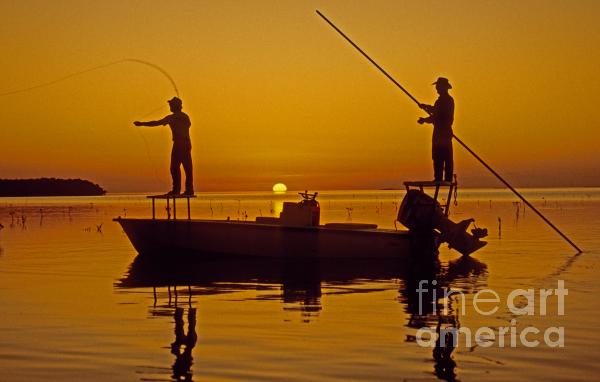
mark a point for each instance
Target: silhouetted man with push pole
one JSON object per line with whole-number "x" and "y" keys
{"x": 441, "y": 115}
{"x": 181, "y": 154}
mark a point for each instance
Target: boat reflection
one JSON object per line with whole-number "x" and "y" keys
{"x": 299, "y": 284}
{"x": 293, "y": 281}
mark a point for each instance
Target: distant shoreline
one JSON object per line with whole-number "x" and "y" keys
{"x": 49, "y": 187}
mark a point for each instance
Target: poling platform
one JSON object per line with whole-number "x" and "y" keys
{"x": 168, "y": 197}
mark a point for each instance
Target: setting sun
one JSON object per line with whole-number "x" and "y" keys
{"x": 279, "y": 187}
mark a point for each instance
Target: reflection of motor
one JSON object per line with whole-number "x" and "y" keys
{"x": 421, "y": 213}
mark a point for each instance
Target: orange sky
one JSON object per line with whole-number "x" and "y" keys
{"x": 276, "y": 95}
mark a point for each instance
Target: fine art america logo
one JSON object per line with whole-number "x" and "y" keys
{"x": 487, "y": 302}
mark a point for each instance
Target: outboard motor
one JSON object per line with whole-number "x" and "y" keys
{"x": 421, "y": 213}
{"x": 306, "y": 213}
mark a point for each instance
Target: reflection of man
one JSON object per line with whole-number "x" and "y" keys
{"x": 181, "y": 154}
{"x": 442, "y": 353}
{"x": 441, "y": 115}
{"x": 183, "y": 359}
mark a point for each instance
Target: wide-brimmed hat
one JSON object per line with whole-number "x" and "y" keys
{"x": 175, "y": 101}
{"x": 443, "y": 81}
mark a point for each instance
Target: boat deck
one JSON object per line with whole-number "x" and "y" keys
{"x": 350, "y": 227}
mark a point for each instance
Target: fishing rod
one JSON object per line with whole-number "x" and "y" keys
{"x": 517, "y": 193}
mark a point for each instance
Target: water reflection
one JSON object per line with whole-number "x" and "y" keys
{"x": 292, "y": 281}
{"x": 301, "y": 287}
{"x": 427, "y": 304}
{"x": 184, "y": 342}
{"x": 298, "y": 285}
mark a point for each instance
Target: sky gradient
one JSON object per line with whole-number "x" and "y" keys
{"x": 275, "y": 95}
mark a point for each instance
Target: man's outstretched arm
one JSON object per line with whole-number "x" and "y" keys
{"x": 160, "y": 122}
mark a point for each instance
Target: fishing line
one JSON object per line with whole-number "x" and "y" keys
{"x": 103, "y": 66}
{"x": 81, "y": 72}
{"x": 147, "y": 146}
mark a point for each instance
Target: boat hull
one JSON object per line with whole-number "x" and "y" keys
{"x": 250, "y": 239}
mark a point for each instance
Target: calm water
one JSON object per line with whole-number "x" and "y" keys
{"x": 78, "y": 305}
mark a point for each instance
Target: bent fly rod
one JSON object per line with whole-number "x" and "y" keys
{"x": 453, "y": 135}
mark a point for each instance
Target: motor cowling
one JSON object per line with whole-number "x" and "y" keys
{"x": 306, "y": 213}
{"x": 420, "y": 213}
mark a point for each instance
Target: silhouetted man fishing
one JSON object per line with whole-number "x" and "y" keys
{"x": 441, "y": 115}
{"x": 181, "y": 154}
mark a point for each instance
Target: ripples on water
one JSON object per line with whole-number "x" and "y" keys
{"x": 77, "y": 303}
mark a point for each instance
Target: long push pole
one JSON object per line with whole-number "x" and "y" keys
{"x": 453, "y": 135}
